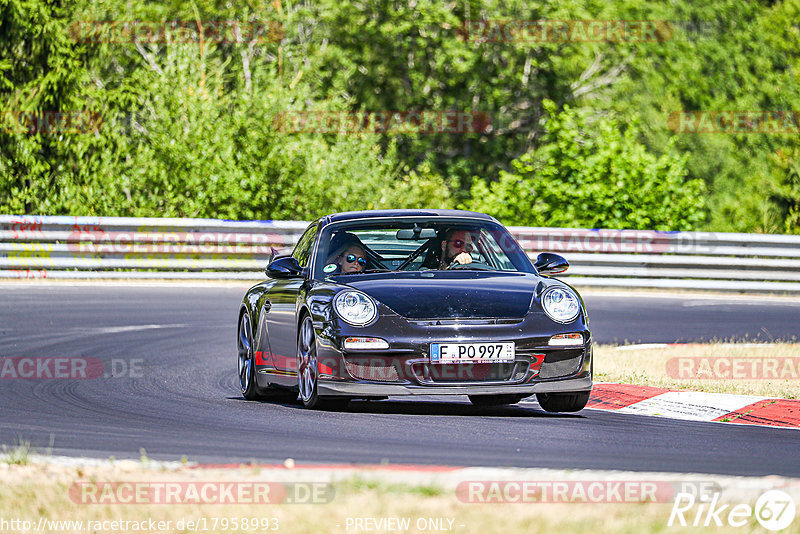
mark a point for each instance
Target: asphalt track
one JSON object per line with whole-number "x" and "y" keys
{"x": 184, "y": 398}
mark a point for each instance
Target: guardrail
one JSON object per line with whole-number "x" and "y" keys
{"x": 142, "y": 248}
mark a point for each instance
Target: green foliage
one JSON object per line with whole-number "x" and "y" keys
{"x": 390, "y": 55}
{"x": 592, "y": 172}
{"x": 189, "y": 128}
{"x": 40, "y": 71}
{"x": 727, "y": 56}
{"x": 196, "y": 149}
{"x": 787, "y": 189}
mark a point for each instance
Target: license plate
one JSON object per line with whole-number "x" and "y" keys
{"x": 472, "y": 352}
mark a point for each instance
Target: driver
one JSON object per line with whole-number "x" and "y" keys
{"x": 456, "y": 248}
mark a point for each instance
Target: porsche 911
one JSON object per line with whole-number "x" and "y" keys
{"x": 373, "y": 304}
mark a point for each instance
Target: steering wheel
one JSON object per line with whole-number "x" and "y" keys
{"x": 474, "y": 265}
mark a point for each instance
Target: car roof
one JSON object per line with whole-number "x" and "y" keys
{"x": 370, "y": 214}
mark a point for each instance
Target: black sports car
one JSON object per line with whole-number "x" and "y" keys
{"x": 414, "y": 302}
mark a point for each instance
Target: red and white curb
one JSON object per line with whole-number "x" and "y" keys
{"x": 696, "y": 406}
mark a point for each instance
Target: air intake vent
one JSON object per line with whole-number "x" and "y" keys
{"x": 379, "y": 373}
{"x": 561, "y": 363}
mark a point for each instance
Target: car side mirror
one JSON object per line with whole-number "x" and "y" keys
{"x": 548, "y": 263}
{"x": 284, "y": 267}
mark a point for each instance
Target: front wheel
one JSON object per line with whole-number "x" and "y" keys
{"x": 308, "y": 371}
{"x": 246, "y": 361}
{"x": 563, "y": 402}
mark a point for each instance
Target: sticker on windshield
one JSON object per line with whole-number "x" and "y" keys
{"x": 330, "y": 268}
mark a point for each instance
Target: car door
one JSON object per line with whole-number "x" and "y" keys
{"x": 283, "y": 304}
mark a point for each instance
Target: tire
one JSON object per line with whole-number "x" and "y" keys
{"x": 495, "y": 400}
{"x": 563, "y": 402}
{"x": 246, "y": 360}
{"x": 307, "y": 371}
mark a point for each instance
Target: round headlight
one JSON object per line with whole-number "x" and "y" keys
{"x": 561, "y": 305}
{"x": 355, "y": 308}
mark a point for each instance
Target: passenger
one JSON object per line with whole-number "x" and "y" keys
{"x": 347, "y": 255}
{"x": 350, "y": 259}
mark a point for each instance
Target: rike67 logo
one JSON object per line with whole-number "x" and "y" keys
{"x": 774, "y": 510}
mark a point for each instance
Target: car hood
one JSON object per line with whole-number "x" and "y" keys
{"x": 446, "y": 294}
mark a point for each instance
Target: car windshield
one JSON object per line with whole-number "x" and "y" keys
{"x": 376, "y": 245}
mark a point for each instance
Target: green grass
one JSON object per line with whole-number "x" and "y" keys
{"x": 19, "y": 454}
{"x": 359, "y": 484}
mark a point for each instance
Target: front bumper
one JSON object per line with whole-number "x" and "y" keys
{"x": 405, "y": 368}
{"x": 330, "y": 388}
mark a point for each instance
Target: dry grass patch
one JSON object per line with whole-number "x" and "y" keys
{"x": 697, "y": 367}
{"x": 34, "y": 491}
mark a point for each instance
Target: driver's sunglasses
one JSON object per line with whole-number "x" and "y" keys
{"x": 352, "y": 258}
{"x": 460, "y": 243}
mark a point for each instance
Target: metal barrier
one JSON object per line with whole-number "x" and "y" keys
{"x": 677, "y": 260}
{"x": 142, "y": 248}
{"x": 121, "y": 247}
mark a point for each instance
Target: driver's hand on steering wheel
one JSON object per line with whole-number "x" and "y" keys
{"x": 463, "y": 258}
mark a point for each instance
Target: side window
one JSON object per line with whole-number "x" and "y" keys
{"x": 304, "y": 247}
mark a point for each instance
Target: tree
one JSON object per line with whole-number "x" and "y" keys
{"x": 591, "y": 171}
{"x": 188, "y": 127}
{"x": 41, "y": 72}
